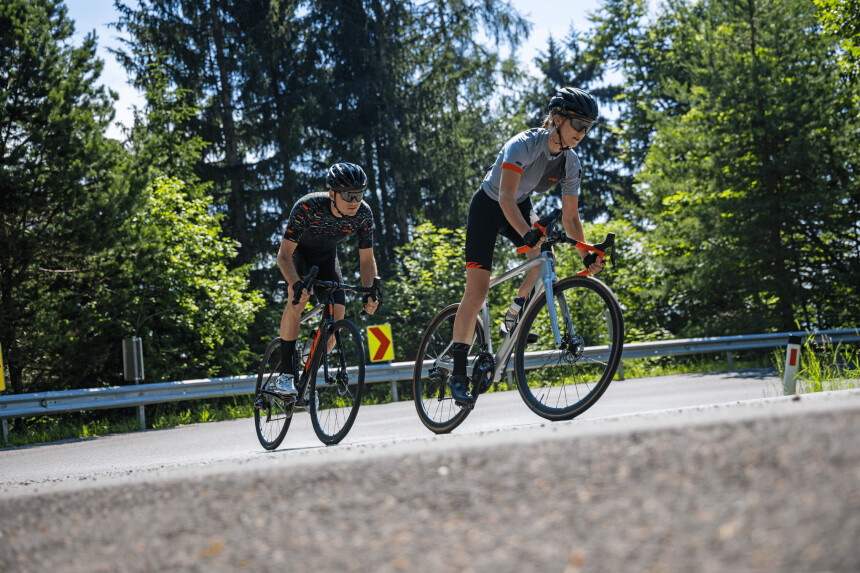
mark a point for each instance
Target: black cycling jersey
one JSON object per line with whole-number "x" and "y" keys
{"x": 318, "y": 231}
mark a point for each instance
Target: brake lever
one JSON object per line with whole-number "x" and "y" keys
{"x": 545, "y": 224}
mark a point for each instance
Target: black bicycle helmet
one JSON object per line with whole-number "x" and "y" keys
{"x": 346, "y": 177}
{"x": 575, "y": 100}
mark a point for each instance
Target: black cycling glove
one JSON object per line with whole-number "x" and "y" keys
{"x": 533, "y": 237}
{"x": 298, "y": 287}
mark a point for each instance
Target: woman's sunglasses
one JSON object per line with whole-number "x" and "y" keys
{"x": 351, "y": 196}
{"x": 579, "y": 124}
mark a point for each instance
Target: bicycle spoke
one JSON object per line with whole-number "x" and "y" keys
{"x": 272, "y": 413}
{"x": 433, "y": 402}
{"x": 336, "y": 396}
{"x": 560, "y": 383}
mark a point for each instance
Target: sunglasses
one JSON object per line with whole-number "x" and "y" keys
{"x": 579, "y": 124}
{"x": 351, "y": 196}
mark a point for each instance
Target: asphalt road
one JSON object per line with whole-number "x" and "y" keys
{"x": 753, "y": 483}
{"x": 137, "y": 453}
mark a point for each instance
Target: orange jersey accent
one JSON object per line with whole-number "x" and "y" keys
{"x": 512, "y": 167}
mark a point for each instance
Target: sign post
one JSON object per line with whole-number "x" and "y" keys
{"x": 792, "y": 361}
{"x": 2, "y": 374}
{"x": 3, "y": 387}
{"x": 381, "y": 346}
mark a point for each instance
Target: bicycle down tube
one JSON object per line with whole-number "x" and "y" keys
{"x": 543, "y": 283}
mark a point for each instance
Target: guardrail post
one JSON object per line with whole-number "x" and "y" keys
{"x": 731, "y": 360}
{"x": 792, "y": 361}
{"x": 132, "y": 366}
{"x": 5, "y": 431}
{"x": 620, "y": 371}
{"x": 394, "y": 396}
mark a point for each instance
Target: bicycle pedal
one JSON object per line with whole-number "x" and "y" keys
{"x": 464, "y": 405}
{"x": 531, "y": 338}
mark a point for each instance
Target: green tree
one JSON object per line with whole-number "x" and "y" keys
{"x": 751, "y": 191}
{"x": 430, "y": 278}
{"x": 842, "y": 19}
{"x": 238, "y": 63}
{"x": 404, "y": 90}
{"x": 174, "y": 289}
{"x": 60, "y": 194}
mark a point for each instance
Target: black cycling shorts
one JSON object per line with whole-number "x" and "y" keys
{"x": 486, "y": 222}
{"x": 328, "y": 264}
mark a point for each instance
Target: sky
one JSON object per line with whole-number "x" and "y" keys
{"x": 549, "y": 17}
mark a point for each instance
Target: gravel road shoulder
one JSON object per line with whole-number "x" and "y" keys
{"x": 765, "y": 485}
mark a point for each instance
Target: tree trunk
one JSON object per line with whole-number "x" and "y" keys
{"x": 236, "y": 199}
{"x": 774, "y": 215}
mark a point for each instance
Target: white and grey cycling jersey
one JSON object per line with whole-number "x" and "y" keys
{"x": 528, "y": 154}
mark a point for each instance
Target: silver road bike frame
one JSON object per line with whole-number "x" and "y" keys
{"x": 545, "y": 280}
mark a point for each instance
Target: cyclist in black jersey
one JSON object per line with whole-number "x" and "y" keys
{"x": 318, "y": 223}
{"x": 532, "y": 161}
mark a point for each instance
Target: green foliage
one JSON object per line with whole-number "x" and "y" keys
{"x": 237, "y": 63}
{"x": 842, "y": 19}
{"x": 61, "y": 194}
{"x": 175, "y": 289}
{"x": 288, "y": 88}
{"x": 432, "y": 276}
{"x": 748, "y": 185}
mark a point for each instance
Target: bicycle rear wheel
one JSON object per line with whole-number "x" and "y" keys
{"x": 272, "y": 413}
{"x": 562, "y": 383}
{"x": 433, "y": 365}
{"x": 336, "y": 390}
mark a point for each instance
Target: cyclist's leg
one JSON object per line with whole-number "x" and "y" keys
{"x": 290, "y": 320}
{"x": 485, "y": 220}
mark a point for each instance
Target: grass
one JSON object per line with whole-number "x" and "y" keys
{"x": 823, "y": 367}
{"x": 80, "y": 425}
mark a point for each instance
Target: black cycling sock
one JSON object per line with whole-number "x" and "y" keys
{"x": 288, "y": 357}
{"x": 458, "y": 352}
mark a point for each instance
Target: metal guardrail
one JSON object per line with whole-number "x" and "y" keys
{"x": 43, "y": 403}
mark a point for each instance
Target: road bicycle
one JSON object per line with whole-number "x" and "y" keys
{"x": 332, "y": 395}
{"x": 565, "y": 353}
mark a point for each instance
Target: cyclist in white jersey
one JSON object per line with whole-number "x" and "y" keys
{"x": 531, "y": 161}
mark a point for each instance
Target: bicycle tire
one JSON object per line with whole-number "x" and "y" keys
{"x": 272, "y": 414}
{"x": 433, "y": 402}
{"x": 561, "y": 384}
{"x": 335, "y": 400}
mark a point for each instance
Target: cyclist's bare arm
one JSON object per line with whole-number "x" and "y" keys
{"x": 573, "y": 227}
{"x": 507, "y": 201}
{"x": 288, "y": 269}
{"x": 368, "y": 272}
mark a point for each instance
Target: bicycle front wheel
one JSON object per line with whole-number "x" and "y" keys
{"x": 336, "y": 390}
{"x": 272, "y": 413}
{"x": 562, "y": 382}
{"x": 433, "y": 365}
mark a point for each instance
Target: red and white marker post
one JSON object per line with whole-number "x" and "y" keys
{"x": 792, "y": 361}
